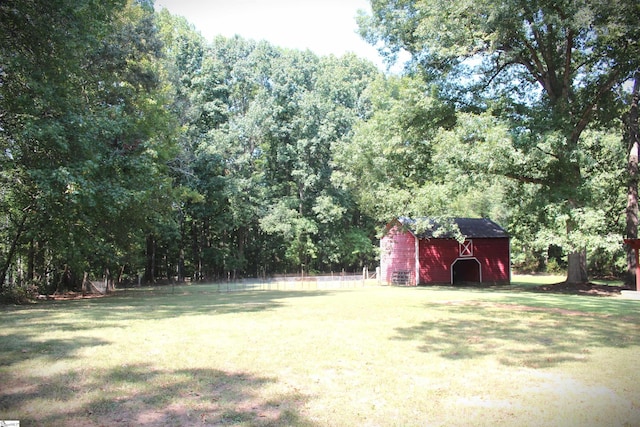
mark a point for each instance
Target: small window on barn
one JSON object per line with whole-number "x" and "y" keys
{"x": 466, "y": 248}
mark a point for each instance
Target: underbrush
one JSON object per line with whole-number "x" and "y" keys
{"x": 19, "y": 294}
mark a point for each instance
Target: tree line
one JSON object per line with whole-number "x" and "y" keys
{"x": 134, "y": 149}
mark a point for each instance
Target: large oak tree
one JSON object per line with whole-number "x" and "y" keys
{"x": 548, "y": 66}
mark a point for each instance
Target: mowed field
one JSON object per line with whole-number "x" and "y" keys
{"x": 362, "y": 356}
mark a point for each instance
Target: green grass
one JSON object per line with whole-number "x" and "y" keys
{"x": 324, "y": 357}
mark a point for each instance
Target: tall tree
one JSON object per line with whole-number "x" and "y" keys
{"x": 317, "y": 103}
{"x": 413, "y": 156}
{"x": 43, "y": 46}
{"x": 390, "y": 158}
{"x": 550, "y": 66}
{"x": 83, "y": 131}
{"x": 632, "y": 188}
{"x": 258, "y": 127}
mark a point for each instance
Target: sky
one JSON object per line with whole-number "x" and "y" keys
{"x": 322, "y": 26}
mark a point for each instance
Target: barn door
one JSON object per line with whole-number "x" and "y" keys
{"x": 466, "y": 270}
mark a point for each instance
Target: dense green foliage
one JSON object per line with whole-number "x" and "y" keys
{"x": 549, "y": 71}
{"x": 84, "y": 137}
{"x": 132, "y": 147}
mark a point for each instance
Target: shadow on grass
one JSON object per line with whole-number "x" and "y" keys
{"x": 138, "y": 395}
{"x": 530, "y": 295}
{"x": 518, "y": 334}
{"x": 576, "y": 304}
{"x": 25, "y": 328}
{"x": 157, "y": 306}
{"x": 18, "y": 347}
{"x": 144, "y": 304}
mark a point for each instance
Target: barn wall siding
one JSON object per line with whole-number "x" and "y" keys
{"x": 436, "y": 257}
{"x": 494, "y": 259}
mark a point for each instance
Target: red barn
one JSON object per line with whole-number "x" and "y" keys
{"x": 411, "y": 258}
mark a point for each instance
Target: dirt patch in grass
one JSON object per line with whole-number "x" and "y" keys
{"x": 69, "y": 296}
{"x": 589, "y": 288}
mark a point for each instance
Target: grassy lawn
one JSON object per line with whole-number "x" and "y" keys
{"x": 367, "y": 356}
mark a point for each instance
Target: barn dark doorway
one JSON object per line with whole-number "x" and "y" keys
{"x": 465, "y": 271}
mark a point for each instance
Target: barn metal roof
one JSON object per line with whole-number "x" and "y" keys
{"x": 481, "y": 228}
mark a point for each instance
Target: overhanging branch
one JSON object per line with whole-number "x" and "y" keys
{"x": 591, "y": 107}
{"x": 526, "y": 179}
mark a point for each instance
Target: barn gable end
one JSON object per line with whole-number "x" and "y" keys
{"x": 483, "y": 257}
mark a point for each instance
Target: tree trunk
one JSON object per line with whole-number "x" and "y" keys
{"x": 632, "y": 189}
{"x": 85, "y": 282}
{"x": 181, "y": 263}
{"x": 576, "y": 261}
{"x": 150, "y": 268}
{"x": 183, "y": 240}
{"x": 196, "y": 249}
{"x": 121, "y": 275}
{"x": 577, "y": 267}
{"x": 12, "y": 251}
{"x": 31, "y": 261}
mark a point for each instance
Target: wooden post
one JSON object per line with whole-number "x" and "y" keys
{"x": 637, "y": 250}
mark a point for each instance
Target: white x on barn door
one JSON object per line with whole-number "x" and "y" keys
{"x": 466, "y": 248}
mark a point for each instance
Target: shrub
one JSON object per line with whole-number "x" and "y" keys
{"x": 18, "y": 294}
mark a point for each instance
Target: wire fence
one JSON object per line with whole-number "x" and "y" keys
{"x": 300, "y": 282}
{"x": 285, "y": 282}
